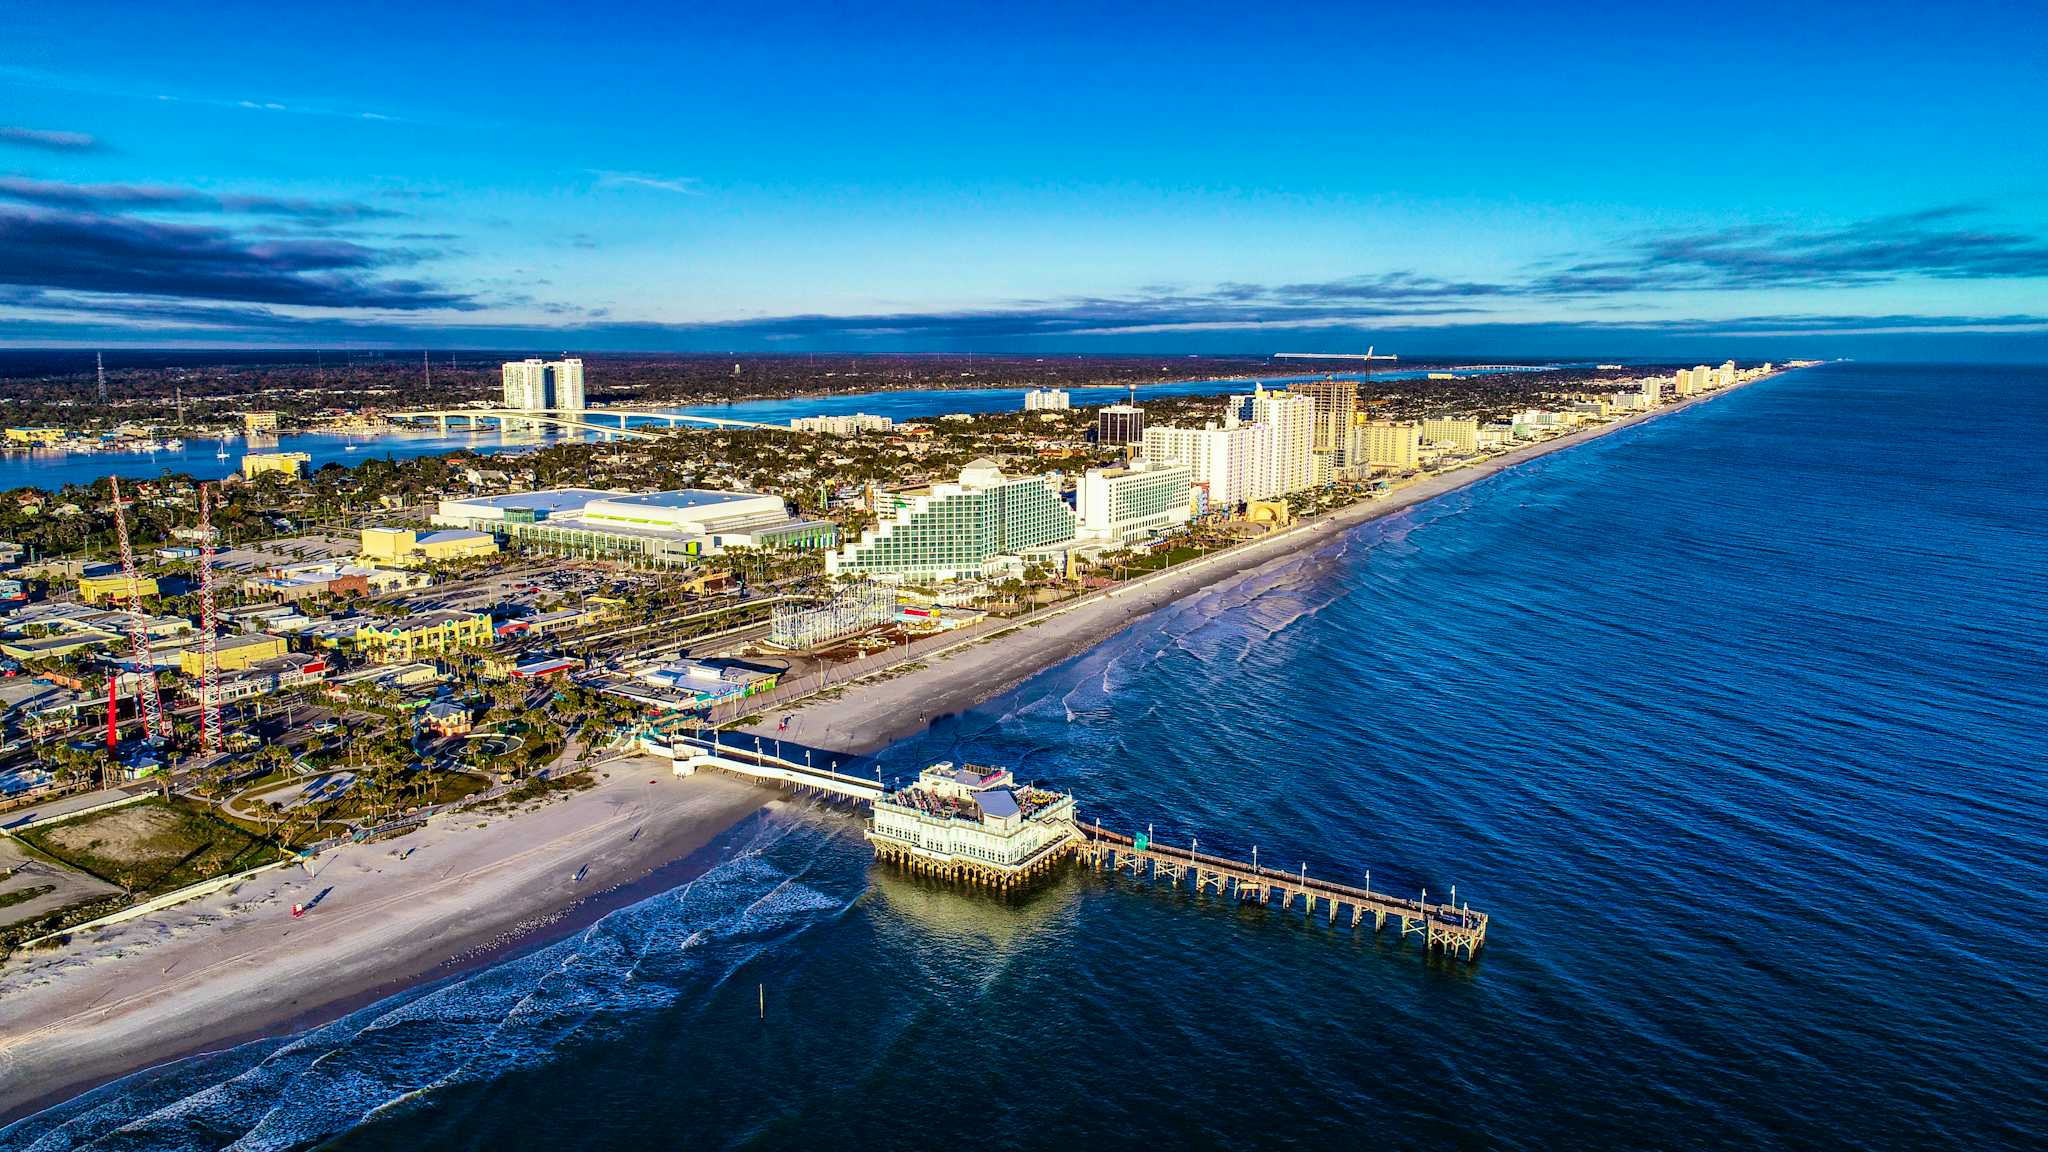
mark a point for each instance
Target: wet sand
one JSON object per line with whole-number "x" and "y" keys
{"x": 235, "y": 966}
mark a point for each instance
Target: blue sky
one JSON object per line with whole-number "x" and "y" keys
{"x": 1606, "y": 179}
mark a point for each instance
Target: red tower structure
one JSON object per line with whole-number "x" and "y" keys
{"x": 210, "y": 739}
{"x": 155, "y": 725}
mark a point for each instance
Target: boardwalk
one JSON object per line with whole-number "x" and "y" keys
{"x": 747, "y": 756}
{"x": 1457, "y": 930}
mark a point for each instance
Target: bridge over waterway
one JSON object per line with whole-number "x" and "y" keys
{"x": 580, "y": 419}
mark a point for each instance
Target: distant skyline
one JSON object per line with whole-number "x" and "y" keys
{"x": 1733, "y": 179}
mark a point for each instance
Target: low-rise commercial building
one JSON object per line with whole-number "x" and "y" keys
{"x": 676, "y": 527}
{"x": 405, "y": 548}
{"x": 330, "y": 577}
{"x": 396, "y": 677}
{"x": 446, "y": 718}
{"x": 50, "y": 647}
{"x": 258, "y": 423}
{"x": 233, "y": 652}
{"x": 114, "y": 587}
{"x": 712, "y": 681}
{"x": 286, "y": 463}
{"x": 422, "y": 634}
{"x": 291, "y": 670}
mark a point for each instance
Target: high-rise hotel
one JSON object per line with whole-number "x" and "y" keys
{"x": 535, "y": 385}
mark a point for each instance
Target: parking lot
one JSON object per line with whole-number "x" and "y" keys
{"x": 278, "y": 553}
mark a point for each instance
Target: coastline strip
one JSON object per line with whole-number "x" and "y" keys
{"x": 91, "y": 1014}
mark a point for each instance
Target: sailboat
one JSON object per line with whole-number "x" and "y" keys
{"x": 221, "y": 453}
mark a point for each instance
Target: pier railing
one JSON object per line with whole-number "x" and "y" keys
{"x": 1455, "y": 928}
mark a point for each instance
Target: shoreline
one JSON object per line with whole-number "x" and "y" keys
{"x": 388, "y": 917}
{"x": 892, "y": 704}
{"x": 231, "y": 952}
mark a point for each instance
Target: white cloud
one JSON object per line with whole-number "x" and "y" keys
{"x": 687, "y": 185}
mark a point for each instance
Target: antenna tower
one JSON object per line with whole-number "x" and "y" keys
{"x": 99, "y": 371}
{"x": 209, "y": 686}
{"x": 155, "y": 724}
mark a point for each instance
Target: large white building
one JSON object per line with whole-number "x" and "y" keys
{"x": 662, "y": 527}
{"x": 1288, "y": 421}
{"x": 1265, "y": 448}
{"x": 1223, "y": 462}
{"x": 1120, "y": 505}
{"x": 567, "y": 383}
{"x": 964, "y": 531}
{"x": 1046, "y": 400}
{"x": 535, "y": 384}
{"x": 526, "y": 384}
{"x": 1697, "y": 379}
{"x": 852, "y": 425}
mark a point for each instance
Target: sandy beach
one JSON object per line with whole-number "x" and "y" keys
{"x": 236, "y": 965}
{"x": 863, "y": 716}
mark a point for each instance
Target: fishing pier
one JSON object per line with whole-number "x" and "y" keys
{"x": 982, "y": 827}
{"x": 1455, "y": 928}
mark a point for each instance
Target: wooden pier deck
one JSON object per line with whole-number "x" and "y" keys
{"x": 1456, "y": 929}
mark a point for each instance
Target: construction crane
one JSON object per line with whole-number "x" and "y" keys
{"x": 155, "y": 725}
{"x": 1369, "y": 355}
{"x": 210, "y": 740}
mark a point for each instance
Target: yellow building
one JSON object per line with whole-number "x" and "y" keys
{"x": 234, "y": 653}
{"x": 115, "y": 587}
{"x": 423, "y": 634}
{"x": 1391, "y": 444}
{"x": 290, "y": 463}
{"x": 35, "y": 437}
{"x": 258, "y": 422}
{"x": 403, "y": 547}
{"x": 1462, "y": 435}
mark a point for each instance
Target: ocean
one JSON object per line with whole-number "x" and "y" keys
{"x": 1732, "y": 721}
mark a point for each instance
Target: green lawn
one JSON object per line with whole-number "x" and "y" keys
{"x": 152, "y": 847}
